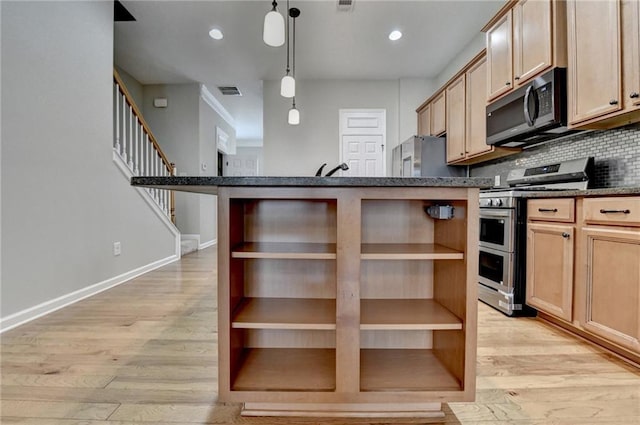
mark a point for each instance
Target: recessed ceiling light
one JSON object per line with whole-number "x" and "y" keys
{"x": 216, "y": 34}
{"x": 395, "y": 35}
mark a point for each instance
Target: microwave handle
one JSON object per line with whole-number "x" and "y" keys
{"x": 530, "y": 118}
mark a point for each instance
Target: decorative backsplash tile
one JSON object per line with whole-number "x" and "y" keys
{"x": 616, "y": 154}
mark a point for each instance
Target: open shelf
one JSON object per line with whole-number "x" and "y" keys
{"x": 408, "y": 251}
{"x": 404, "y": 370}
{"x": 285, "y": 313}
{"x": 406, "y": 314}
{"x": 285, "y": 250}
{"x": 287, "y": 369}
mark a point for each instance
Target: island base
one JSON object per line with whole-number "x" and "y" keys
{"x": 425, "y": 411}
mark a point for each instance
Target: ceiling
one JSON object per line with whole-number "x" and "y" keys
{"x": 169, "y": 44}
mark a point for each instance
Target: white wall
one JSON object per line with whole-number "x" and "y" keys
{"x": 177, "y": 131}
{"x": 134, "y": 87}
{"x": 413, "y": 92}
{"x": 300, "y": 150}
{"x": 64, "y": 202}
{"x": 462, "y": 58}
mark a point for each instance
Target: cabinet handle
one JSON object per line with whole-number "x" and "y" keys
{"x": 613, "y": 102}
{"x": 516, "y": 78}
{"x": 507, "y": 83}
{"x": 615, "y": 211}
{"x": 634, "y": 95}
{"x": 548, "y": 209}
{"x": 565, "y": 235}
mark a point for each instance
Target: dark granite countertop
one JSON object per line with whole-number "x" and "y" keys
{"x": 210, "y": 184}
{"x": 607, "y": 191}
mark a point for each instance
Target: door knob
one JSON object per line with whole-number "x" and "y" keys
{"x": 565, "y": 235}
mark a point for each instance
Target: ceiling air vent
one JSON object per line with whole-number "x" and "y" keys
{"x": 345, "y": 5}
{"x": 229, "y": 91}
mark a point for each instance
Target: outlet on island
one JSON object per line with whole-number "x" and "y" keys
{"x": 117, "y": 249}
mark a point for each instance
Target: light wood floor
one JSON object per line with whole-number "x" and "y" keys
{"x": 145, "y": 353}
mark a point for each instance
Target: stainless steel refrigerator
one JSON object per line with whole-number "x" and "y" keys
{"x": 423, "y": 156}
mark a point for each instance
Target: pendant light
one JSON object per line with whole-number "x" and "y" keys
{"x": 288, "y": 83}
{"x": 273, "y": 30}
{"x": 294, "y": 114}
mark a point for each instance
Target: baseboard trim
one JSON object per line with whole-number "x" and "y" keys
{"x": 207, "y": 244}
{"x": 50, "y": 306}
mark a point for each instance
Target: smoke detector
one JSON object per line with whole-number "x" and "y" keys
{"x": 229, "y": 91}
{"x": 345, "y": 5}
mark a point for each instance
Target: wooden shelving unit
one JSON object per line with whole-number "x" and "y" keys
{"x": 343, "y": 302}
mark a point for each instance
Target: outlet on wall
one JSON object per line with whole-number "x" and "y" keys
{"x": 496, "y": 181}
{"x": 116, "y": 248}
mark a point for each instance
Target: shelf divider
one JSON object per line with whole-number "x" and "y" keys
{"x": 406, "y": 314}
{"x": 408, "y": 251}
{"x": 285, "y": 250}
{"x": 285, "y": 313}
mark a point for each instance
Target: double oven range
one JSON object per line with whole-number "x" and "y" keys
{"x": 502, "y": 271}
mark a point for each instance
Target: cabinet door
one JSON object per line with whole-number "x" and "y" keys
{"x": 477, "y": 109}
{"x": 424, "y": 121}
{"x": 613, "y": 285}
{"x": 594, "y": 59}
{"x": 532, "y": 39}
{"x": 499, "y": 59}
{"x": 456, "y": 120}
{"x": 631, "y": 57}
{"x": 550, "y": 268}
{"x": 438, "y": 115}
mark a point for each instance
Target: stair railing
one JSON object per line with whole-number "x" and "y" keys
{"x": 137, "y": 146}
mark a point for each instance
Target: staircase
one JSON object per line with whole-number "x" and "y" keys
{"x": 136, "y": 152}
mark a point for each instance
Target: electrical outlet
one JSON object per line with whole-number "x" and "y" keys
{"x": 496, "y": 181}
{"x": 117, "y": 249}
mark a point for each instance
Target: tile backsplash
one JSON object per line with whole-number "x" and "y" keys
{"x": 616, "y": 154}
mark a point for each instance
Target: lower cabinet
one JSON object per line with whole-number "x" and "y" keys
{"x": 585, "y": 276}
{"x": 550, "y": 249}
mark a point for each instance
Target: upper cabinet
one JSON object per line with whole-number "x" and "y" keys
{"x": 604, "y": 63}
{"x": 523, "y": 40}
{"x": 424, "y": 121}
{"x": 456, "y": 124}
{"x": 438, "y": 114}
{"x": 499, "y": 51}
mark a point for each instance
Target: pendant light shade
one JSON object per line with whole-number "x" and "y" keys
{"x": 273, "y": 31}
{"x": 294, "y": 115}
{"x": 288, "y": 86}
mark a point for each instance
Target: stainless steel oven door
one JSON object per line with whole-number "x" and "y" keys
{"x": 496, "y": 269}
{"x": 496, "y": 228}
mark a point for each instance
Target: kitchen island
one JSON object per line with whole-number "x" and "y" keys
{"x": 344, "y": 296}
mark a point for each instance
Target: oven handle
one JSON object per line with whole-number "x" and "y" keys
{"x": 493, "y": 213}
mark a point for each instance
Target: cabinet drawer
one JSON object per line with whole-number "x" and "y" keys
{"x": 556, "y": 209}
{"x": 615, "y": 210}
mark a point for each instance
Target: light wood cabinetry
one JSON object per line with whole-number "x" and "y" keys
{"x": 610, "y": 270}
{"x": 499, "y": 57}
{"x": 604, "y": 63}
{"x": 456, "y": 119}
{"x": 550, "y": 256}
{"x": 606, "y": 288}
{"x": 438, "y": 114}
{"x": 424, "y": 121}
{"x": 348, "y": 301}
{"x": 524, "y": 39}
{"x": 466, "y": 116}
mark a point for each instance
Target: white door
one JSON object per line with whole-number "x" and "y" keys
{"x": 241, "y": 165}
{"x": 362, "y": 142}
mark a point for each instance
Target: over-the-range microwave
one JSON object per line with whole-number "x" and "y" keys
{"x": 530, "y": 114}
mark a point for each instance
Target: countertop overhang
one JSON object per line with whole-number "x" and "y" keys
{"x": 209, "y": 185}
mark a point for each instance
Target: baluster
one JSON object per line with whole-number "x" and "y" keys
{"x": 131, "y": 137}
{"x": 136, "y": 158}
{"x": 117, "y": 132}
{"x": 123, "y": 152}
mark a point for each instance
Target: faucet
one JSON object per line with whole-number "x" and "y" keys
{"x": 342, "y": 166}
{"x": 319, "y": 172}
